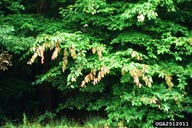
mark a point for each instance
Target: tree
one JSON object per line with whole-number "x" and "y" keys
{"x": 134, "y": 52}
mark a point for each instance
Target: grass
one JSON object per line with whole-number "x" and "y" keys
{"x": 91, "y": 122}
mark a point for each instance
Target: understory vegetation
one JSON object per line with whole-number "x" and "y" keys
{"x": 91, "y": 122}
{"x": 95, "y": 63}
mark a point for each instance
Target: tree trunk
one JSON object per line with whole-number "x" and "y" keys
{"x": 46, "y": 88}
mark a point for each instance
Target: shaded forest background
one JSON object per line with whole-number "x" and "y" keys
{"x": 126, "y": 61}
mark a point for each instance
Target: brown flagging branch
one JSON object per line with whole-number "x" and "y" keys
{"x": 138, "y": 74}
{"x": 92, "y": 76}
{"x": 5, "y": 60}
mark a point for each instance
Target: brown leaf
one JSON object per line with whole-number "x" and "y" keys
{"x": 93, "y": 50}
{"x": 41, "y": 53}
{"x": 73, "y": 53}
{"x": 55, "y": 53}
{"x": 168, "y": 79}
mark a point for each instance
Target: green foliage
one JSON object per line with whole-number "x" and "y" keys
{"x": 13, "y": 42}
{"x": 45, "y": 116}
{"x": 129, "y": 59}
{"x": 145, "y": 47}
{"x": 12, "y": 5}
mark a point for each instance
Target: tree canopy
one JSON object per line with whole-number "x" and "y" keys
{"x": 127, "y": 59}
